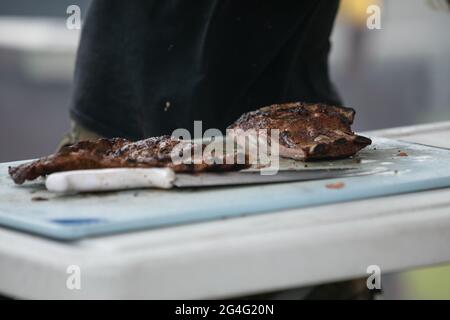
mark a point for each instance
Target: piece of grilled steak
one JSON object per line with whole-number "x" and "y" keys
{"x": 307, "y": 131}
{"x": 121, "y": 153}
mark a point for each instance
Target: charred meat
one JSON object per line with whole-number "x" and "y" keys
{"x": 122, "y": 153}
{"x": 307, "y": 131}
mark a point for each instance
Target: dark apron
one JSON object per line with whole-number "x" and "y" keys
{"x": 145, "y": 68}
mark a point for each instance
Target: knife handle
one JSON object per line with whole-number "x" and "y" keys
{"x": 110, "y": 179}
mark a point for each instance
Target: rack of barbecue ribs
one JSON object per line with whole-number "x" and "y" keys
{"x": 155, "y": 152}
{"x": 306, "y": 132}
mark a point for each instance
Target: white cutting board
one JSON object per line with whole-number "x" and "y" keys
{"x": 31, "y": 208}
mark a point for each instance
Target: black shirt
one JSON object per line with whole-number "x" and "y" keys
{"x": 147, "y": 67}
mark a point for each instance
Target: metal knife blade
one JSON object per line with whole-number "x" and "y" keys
{"x": 184, "y": 180}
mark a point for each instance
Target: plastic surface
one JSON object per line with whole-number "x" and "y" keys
{"x": 31, "y": 208}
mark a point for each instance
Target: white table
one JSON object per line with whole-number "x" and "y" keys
{"x": 246, "y": 255}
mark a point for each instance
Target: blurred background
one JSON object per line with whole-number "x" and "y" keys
{"x": 396, "y": 76}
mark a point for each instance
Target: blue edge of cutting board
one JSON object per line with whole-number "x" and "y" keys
{"x": 78, "y": 216}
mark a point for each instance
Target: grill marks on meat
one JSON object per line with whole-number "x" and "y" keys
{"x": 307, "y": 131}
{"x": 121, "y": 153}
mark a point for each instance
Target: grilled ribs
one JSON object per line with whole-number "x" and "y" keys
{"x": 307, "y": 131}
{"x": 120, "y": 153}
